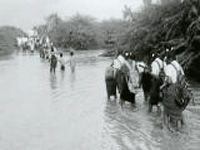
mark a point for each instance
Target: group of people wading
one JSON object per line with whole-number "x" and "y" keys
{"x": 162, "y": 80}
{"x": 49, "y": 52}
{"x": 54, "y": 57}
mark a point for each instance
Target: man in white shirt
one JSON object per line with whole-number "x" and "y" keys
{"x": 173, "y": 68}
{"x": 157, "y": 65}
{"x": 156, "y": 81}
{"x": 176, "y": 94}
{"x": 62, "y": 62}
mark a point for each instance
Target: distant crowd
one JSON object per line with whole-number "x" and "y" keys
{"x": 47, "y": 51}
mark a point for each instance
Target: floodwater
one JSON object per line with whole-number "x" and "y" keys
{"x": 41, "y": 111}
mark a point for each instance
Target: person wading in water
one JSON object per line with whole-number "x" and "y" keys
{"x": 176, "y": 93}
{"x": 72, "y": 60}
{"x": 53, "y": 61}
{"x": 62, "y": 62}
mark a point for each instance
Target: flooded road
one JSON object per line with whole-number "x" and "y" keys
{"x": 40, "y": 111}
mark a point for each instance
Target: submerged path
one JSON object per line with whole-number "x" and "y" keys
{"x": 40, "y": 111}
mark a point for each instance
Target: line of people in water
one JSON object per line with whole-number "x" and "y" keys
{"x": 54, "y": 57}
{"x": 51, "y": 53}
{"x": 47, "y": 51}
{"x": 162, "y": 80}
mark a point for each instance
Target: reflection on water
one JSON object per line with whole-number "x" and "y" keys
{"x": 72, "y": 79}
{"x": 62, "y": 74}
{"x": 43, "y": 111}
{"x": 53, "y": 81}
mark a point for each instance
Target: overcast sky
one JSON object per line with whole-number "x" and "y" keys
{"x": 27, "y": 13}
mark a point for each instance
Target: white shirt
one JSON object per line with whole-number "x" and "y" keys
{"x": 156, "y": 66}
{"x": 171, "y": 72}
{"x": 116, "y": 64}
{"x": 62, "y": 61}
{"x": 119, "y": 62}
{"x": 140, "y": 69}
{"x": 178, "y": 66}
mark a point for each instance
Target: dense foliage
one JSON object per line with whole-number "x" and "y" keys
{"x": 158, "y": 27}
{"x": 8, "y": 37}
{"x": 80, "y": 32}
{"x": 152, "y": 29}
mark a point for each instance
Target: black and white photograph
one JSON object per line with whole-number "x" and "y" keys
{"x": 100, "y": 75}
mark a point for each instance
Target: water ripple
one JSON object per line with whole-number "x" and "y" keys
{"x": 43, "y": 111}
